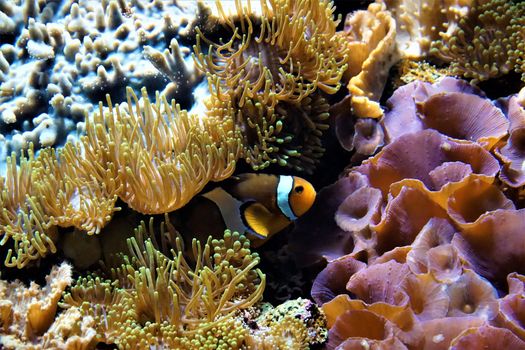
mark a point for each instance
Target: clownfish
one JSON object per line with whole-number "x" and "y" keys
{"x": 258, "y": 205}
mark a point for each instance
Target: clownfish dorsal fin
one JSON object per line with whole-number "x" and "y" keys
{"x": 261, "y": 221}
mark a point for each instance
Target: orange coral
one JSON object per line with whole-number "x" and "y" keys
{"x": 370, "y": 38}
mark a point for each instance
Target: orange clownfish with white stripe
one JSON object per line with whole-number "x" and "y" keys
{"x": 258, "y": 205}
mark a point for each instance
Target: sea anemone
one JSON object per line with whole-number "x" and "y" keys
{"x": 163, "y": 299}
{"x": 23, "y": 221}
{"x": 273, "y": 78}
{"x": 487, "y": 42}
{"x": 164, "y": 155}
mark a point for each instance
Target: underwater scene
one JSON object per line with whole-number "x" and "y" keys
{"x": 262, "y": 174}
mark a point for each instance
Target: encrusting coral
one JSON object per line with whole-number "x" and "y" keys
{"x": 294, "y": 324}
{"x": 410, "y": 71}
{"x": 28, "y": 319}
{"x": 487, "y": 42}
{"x": 273, "y": 72}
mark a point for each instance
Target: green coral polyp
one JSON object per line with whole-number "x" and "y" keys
{"x": 275, "y": 79}
{"x": 161, "y": 298}
{"x": 487, "y": 43}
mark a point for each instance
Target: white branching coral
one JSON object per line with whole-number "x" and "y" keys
{"x": 59, "y": 58}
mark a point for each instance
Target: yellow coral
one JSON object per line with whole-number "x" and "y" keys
{"x": 163, "y": 155}
{"x": 371, "y": 37}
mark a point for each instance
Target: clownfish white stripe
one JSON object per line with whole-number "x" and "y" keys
{"x": 229, "y": 208}
{"x": 284, "y": 187}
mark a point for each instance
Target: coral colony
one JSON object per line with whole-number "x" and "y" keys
{"x": 262, "y": 174}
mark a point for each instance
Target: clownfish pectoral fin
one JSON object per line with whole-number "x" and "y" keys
{"x": 261, "y": 221}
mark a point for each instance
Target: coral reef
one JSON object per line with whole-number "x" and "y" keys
{"x": 210, "y": 300}
{"x": 416, "y": 244}
{"x": 154, "y": 156}
{"x": 163, "y": 299}
{"x": 414, "y": 236}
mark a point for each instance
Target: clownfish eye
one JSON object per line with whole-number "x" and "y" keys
{"x": 299, "y": 189}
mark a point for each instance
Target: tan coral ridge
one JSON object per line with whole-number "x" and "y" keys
{"x": 29, "y": 321}
{"x": 154, "y": 156}
{"x": 371, "y": 41}
{"x": 383, "y": 34}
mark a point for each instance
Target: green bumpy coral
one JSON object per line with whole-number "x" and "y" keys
{"x": 274, "y": 73}
{"x": 159, "y": 298}
{"x": 487, "y": 43}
